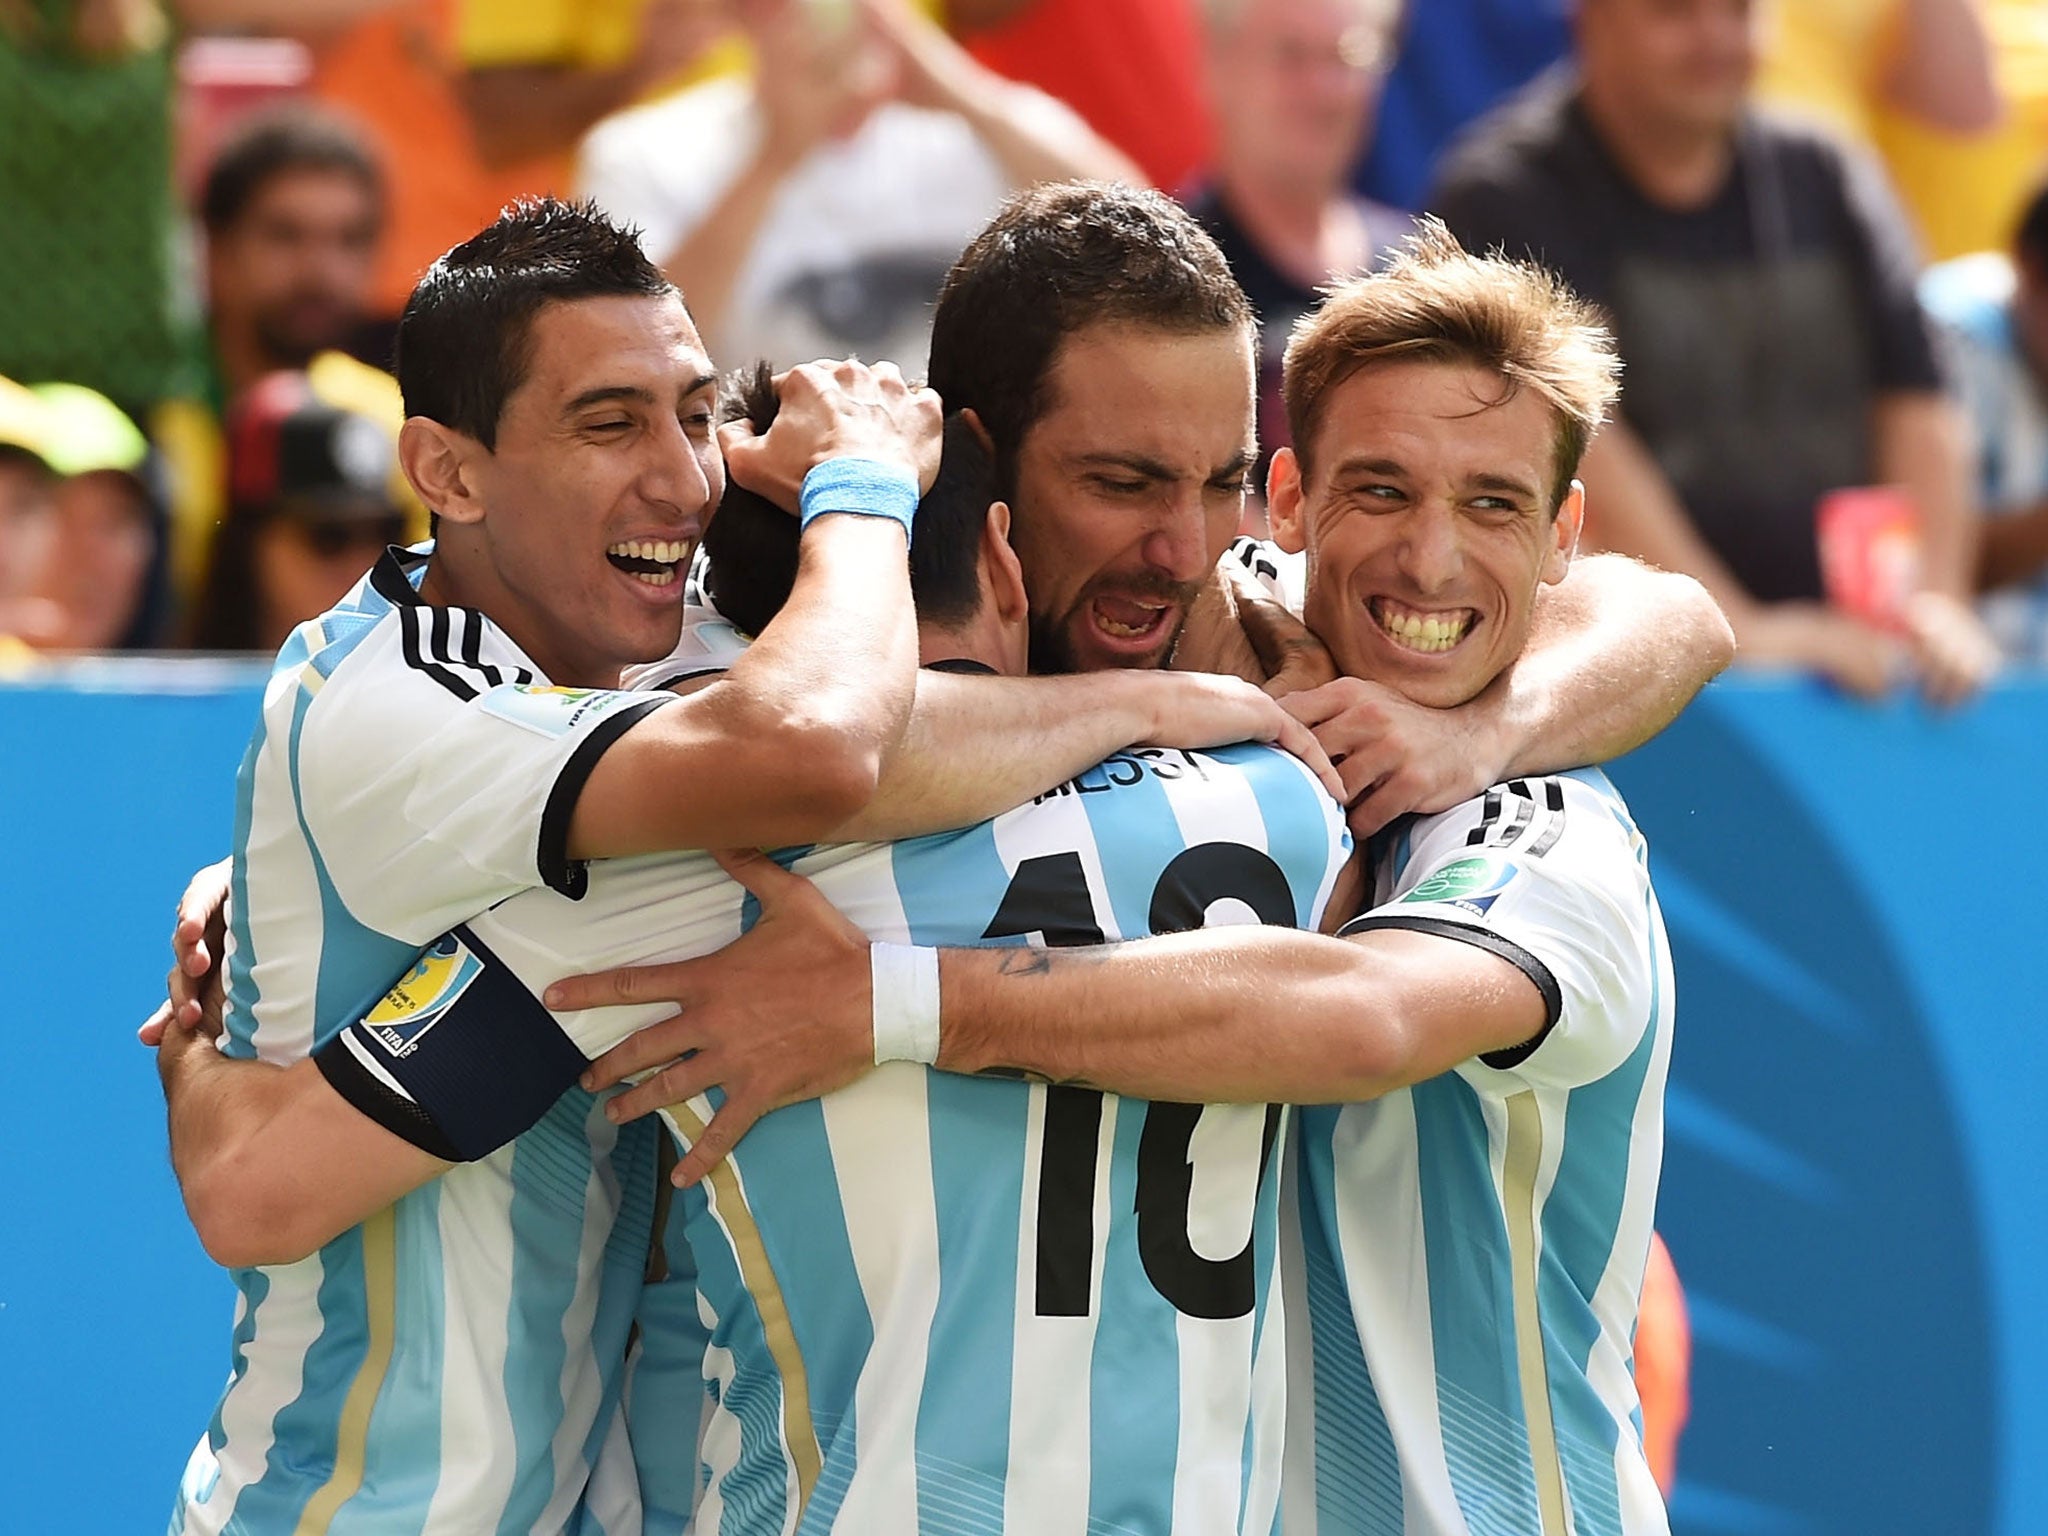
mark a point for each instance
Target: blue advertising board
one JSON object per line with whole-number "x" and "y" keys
{"x": 1856, "y": 1138}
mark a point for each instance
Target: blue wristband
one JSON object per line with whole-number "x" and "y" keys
{"x": 863, "y": 487}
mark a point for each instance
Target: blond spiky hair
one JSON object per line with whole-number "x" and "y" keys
{"x": 1435, "y": 301}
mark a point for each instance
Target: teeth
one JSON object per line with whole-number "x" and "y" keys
{"x": 1431, "y": 632}
{"x": 667, "y": 551}
{"x": 660, "y": 579}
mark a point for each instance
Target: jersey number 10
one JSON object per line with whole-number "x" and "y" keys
{"x": 1048, "y": 896}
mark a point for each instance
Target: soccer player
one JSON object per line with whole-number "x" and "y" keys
{"x": 1486, "y": 1046}
{"x": 446, "y": 1353}
{"x": 854, "y": 1254}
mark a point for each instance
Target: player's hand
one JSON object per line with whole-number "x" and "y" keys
{"x": 833, "y": 410}
{"x": 197, "y": 992}
{"x": 782, "y": 1014}
{"x": 1289, "y": 652}
{"x": 1200, "y": 709}
{"x": 1395, "y": 756}
{"x": 1953, "y": 651}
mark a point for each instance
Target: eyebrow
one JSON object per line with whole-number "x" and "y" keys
{"x": 1153, "y": 469}
{"x": 1394, "y": 469}
{"x": 631, "y": 392}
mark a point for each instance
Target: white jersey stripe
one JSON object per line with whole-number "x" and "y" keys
{"x": 474, "y": 1211}
{"x": 892, "y": 1226}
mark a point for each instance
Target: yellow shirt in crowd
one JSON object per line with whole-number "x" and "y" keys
{"x": 1965, "y": 191}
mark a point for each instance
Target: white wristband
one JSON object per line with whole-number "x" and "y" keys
{"x": 906, "y": 1002}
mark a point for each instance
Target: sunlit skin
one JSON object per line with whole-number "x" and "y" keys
{"x": 1678, "y": 65}
{"x": 1424, "y": 507}
{"x": 607, "y": 442}
{"x": 1129, "y": 488}
{"x": 291, "y": 277}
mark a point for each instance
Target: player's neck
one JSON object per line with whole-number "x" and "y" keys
{"x": 981, "y": 640}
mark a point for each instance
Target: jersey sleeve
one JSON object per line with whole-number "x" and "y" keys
{"x": 1550, "y": 874}
{"x": 435, "y": 791}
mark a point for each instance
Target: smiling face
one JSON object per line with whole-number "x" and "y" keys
{"x": 578, "y": 528}
{"x": 1425, "y": 510}
{"x": 1129, "y": 487}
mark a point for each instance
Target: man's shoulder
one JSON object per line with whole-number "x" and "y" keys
{"x": 1529, "y": 133}
{"x": 1533, "y": 817}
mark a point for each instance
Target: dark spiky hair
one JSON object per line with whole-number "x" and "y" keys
{"x": 752, "y": 544}
{"x": 463, "y": 342}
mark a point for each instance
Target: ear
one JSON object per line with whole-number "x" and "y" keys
{"x": 437, "y": 460}
{"x": 979, "y": 428}
{"x": 1284, "y": 514}
{"x": 1565, "y": 529}
{"x": 1002, "y": 575}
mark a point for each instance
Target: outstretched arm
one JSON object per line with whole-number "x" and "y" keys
{"x": 1220, "y": 1015}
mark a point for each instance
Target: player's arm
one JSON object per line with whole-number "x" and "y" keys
{"x": 1482, "y": 956}
{"x": 273, "y": 1163}
{"x": 978, "y": 746}
{"x": 789, "y": 743}
{"x": 1615, "y": 651}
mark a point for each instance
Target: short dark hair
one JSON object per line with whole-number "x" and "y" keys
{"x": 1053, "y": 260}
{"x": 462, "y": 341}
{"x": 291, "y": 138}
{"x": 751, "y": 543}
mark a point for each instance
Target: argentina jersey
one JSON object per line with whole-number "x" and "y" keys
{"x": 452, "y": 1364}
{"x": 1473, "y": 1246}
{"x": 937, "y": 1303}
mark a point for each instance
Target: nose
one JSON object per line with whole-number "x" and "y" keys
{"x": 1430, "y": 554}
{"x": 1178, "y": 543}
{"x": 681, "y": 471}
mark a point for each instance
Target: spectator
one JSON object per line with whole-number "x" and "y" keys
{"x": 105, "y": 582}
{"x": 1760, "y": 282}
{"x": 1292, "y": 85}
{"x": 819, "y": 205}
{"x": 91, "y": 574}
{"x": 292, "y": 207}
{"x": 1995, "y": 312}
{"x": 312, "y": 506}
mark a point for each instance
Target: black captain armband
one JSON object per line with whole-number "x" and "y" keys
{"x": 458, "y": 1058}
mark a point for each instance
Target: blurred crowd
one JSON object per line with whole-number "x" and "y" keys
{"x": 212, "y": 211}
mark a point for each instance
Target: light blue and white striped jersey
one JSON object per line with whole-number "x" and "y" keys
{"x": 951, "y": 1304}
{"x": 453, "y": 1364}
{"x": 1473, "y": 1246}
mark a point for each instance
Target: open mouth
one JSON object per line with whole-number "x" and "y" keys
{"x": 1428, "y": 632}
{"x": 1132, "y": 622}
{"x": 657, "y": 562}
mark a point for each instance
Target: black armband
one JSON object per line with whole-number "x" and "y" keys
{"x": 459, "y": 1057}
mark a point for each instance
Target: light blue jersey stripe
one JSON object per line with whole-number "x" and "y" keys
{"x": 1486, "y": 1440}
